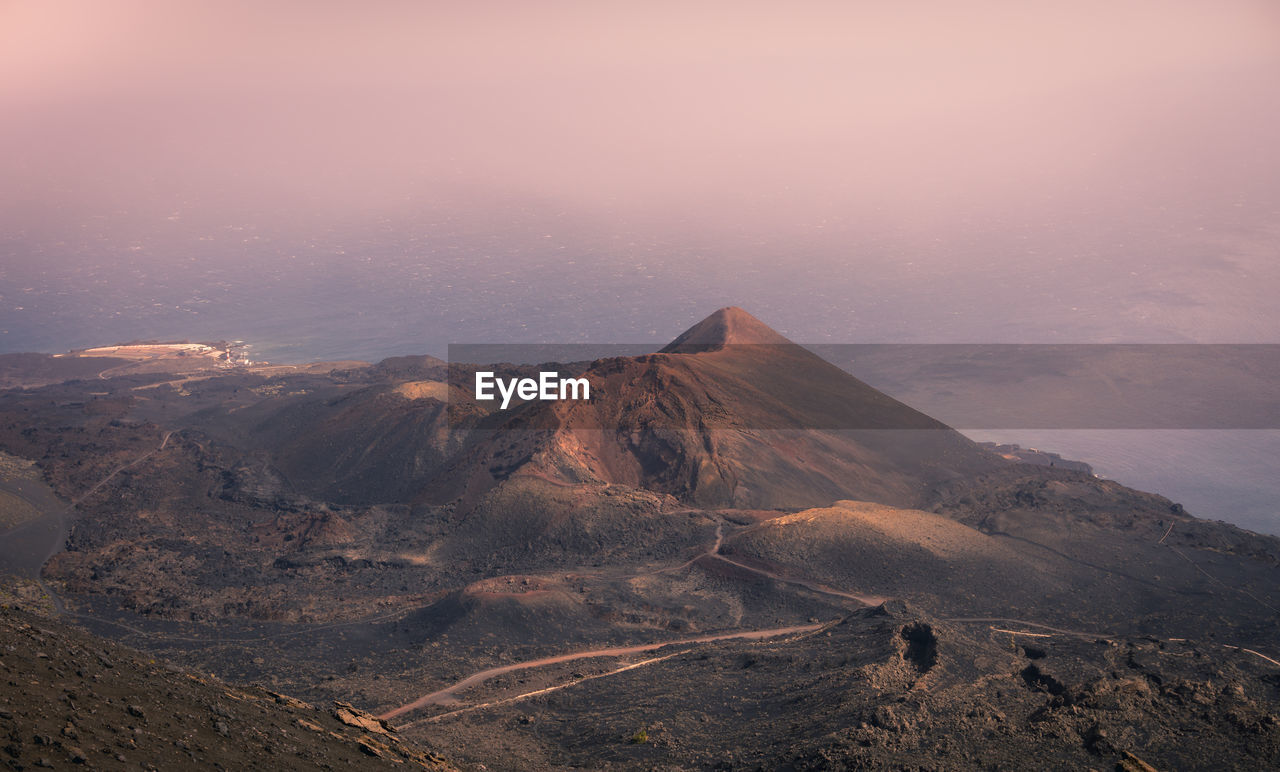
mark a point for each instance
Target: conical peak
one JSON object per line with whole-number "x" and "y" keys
{"x": 728, "y": 326}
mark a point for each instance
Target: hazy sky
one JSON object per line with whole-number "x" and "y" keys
{"x": 967, "y": 161}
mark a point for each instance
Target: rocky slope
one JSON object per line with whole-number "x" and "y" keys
{"x": 892, "y": 688}
{"x": 75, "y": 701}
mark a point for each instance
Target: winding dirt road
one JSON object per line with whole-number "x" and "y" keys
{"x": 448, "y": 694}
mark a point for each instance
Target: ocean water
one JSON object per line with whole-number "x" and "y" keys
{"x": 374, "y": 286}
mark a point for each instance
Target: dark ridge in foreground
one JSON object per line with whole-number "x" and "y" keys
{"x": 73, "y": 700}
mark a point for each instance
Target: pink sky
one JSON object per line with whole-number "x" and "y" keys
{"x": 796, "y": 109}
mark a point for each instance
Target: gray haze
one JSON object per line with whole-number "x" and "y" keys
{"x": 919, "y": 171}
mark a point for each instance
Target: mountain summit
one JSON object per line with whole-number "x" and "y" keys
{"x": 726, "y": 327}
{"x": 730, "y": 414}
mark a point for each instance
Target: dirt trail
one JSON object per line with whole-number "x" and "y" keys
{"x": 1025, "y": 623}
{"x": 448, "y": 694}
{"x": 713, "y": 552}
{"x": 539, "y": 692}
{"x": 103, "y": 374}
{"x": 710, "y": 552}
{"x": 866, "y": 600}
{"x": 121, "y": 468}
{"x": 62, "y": 518}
